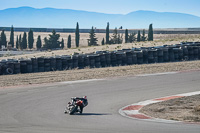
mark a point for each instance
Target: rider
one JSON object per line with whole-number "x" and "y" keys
{"x": 85, "y": 102}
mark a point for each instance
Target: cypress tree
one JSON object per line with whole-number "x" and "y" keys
{"x": 107, "y": 34}
{"x": 3, "y": 39}
{"x": 20, "y": 42}
{"x": 24, "y": 41}
{"x": 143, "y": 38}
{"x": 12, "y": 37}
{"x": 103, "y": 42}
{"x": 30, "y": 39}
{"x": 150, "y": 33}
{"x": 93, "y": 40}
{"x": 69, "y": 42}
{"x": 39, "y": 42}
{"x": 62, "y": 43}
{"x": 77, "y": 35}
{"x": 126, "y": 36}
{"x": 138, "y": 36}
{"x": 116, "y": 38}
{"x": 52, "y": 42}
{"x": 0, "y": 42}
{"x": 131, "y": 38}
{"x": 47, "y": 43}
{"x": 17, "y": 43}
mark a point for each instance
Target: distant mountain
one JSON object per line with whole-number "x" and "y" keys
{"x": 66, "y": 18}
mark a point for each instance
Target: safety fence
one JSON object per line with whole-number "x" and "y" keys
{"x": 144, "y": 55}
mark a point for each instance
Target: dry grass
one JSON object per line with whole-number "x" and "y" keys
{"x": 180, "y": 109}
{"x": 197, "y": 109}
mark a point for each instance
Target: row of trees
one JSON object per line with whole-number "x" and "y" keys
{"x": 52, "y": 42}
{"x": 117, "y": 38}
{"x": 21, "y": 42}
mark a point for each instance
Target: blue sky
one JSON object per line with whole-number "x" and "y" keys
{"x": 111, "y": 6}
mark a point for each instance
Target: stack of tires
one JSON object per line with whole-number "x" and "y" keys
{"x": 34, "y": 64}
{"x": 113, "y": 58}
{"x": 119, "y": 58}
{"x": 29, "y": 66}
{"x": 180, "y": 54}
{"x": 0, "y": 69}
{"x": 190, "y": 52}
{"x": 3, "y": 67}
{"x": 108, "y": 59}
{"x": 92, "y": 60}
{"x": 64, "y": 59}
{"x": 58, "y": 63}
{"x": 176, "y": 55}
{"x": 145, "y": 55}
{"x": 10, "y": 67}
{"x": 70, "y": 63}
{"x": 185, "y": 53}
{"x": 52, "y": 63}
{"x": 87, "y": 61}
{"x": 129, "y": 57}
{"x": 139, "y": 57}
{"x": 196, "y": 52}
{"x": 165, "y": 53}
{"x": 23, "y": 66}
{"x": 171, "y": 54}
{"x": 75, "y": 61}
{"x": 103, "y": 59}
{"x": 40, "y": 64}
{"x": 134, "y": 57}
{"x": 150, "y": 56}
{"x": 160, "y": 55}
{"x": 97, "y": 61}
{"x": 47, "y": 64}
{"x": 81, "y": 61}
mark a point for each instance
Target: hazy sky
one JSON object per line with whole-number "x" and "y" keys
{"x": 111, "y": 6}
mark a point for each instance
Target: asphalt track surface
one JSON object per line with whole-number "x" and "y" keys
{"x": 40, "y": 109}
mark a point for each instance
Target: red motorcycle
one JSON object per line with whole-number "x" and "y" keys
{"x": 73, "y": 107}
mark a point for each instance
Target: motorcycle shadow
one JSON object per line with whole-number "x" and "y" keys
{"x": 90, "y": 114}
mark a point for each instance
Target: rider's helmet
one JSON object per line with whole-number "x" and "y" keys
{"x": 85, "y": 97}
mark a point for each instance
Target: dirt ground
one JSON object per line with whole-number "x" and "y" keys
{"x": 84, "y": 36}
{"x": 181, "y": 109}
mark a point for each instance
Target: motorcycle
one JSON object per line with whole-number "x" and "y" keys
{"x": 73, "y": 107}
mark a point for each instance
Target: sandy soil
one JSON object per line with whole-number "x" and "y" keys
{"x": 83, "y": 74}
{"x": 100, "y": 36}
{"x": 181, "y": 109}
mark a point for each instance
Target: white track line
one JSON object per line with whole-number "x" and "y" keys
{"x": 79, "y": 81}
{"x": 156, "y": 74}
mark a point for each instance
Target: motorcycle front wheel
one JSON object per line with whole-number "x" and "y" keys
{"x": 73, "y": 110}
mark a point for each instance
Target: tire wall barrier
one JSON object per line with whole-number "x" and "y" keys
{"x": 144, "y": 55}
